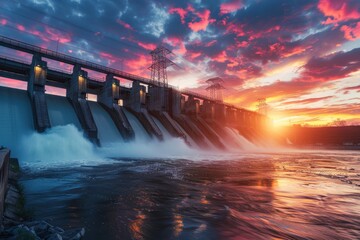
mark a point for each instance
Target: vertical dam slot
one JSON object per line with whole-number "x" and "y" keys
{"x": 140, "y": 132}
{"x": 107, "y": 130}
{"x": 61, "y": 112}
{"x": 16, "y": 119}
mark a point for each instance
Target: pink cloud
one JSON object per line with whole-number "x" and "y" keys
{"x": 20, "y": 27}
{"x": 237, "y": 29}
{"x": 204, "y": 21}
{"x": 178, "y": 43}
{"x": 339, "y": 10}
{"x": 11, "y": 83}
{"x": 124, "y": 24}
{"x": 3, "y": 21}
{"x": 182, "y": 13}
{"x": 211, "y": 43}
{"x": 138, "y": 65}
{"x": 147, "y": 46}
{"x": 109, "y": 57}
{"x": 351, "y": 33}
{"x": 193, "y": 55}
{"x": 54, "y": 35}
{"x": 221, "y": 57}
{"x": 230, "y": 7}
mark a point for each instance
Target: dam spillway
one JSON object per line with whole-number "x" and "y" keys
{"x": 146, "y": 110}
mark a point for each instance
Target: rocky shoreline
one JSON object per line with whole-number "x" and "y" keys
{"x": 17, "y": 221}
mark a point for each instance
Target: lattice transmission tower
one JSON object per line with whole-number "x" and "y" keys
{"x": 215, "y": 88}
{"x": 262, "y": 106}
{"x": 160, "y": 62}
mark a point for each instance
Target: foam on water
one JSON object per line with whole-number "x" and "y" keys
{"x": 60, "y": 146}
{"x": 66, "y": 146}
{"x": 172, "y": 148}
{"x": 243, "y": 142}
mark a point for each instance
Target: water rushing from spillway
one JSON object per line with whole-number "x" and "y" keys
{"x": 147, "y": 189}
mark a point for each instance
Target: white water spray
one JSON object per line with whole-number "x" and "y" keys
{"x": 60, "y": 146}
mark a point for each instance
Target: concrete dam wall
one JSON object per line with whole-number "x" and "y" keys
{"x": 17, "y": 121}
{"x": 147, "y": 111}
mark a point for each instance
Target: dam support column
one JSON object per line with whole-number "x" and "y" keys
{"x": 109, "y": 99}
{"x": 137, "y": 98}
{"x": 207, "y": 110}
{"x": 175, "y": 102}
{"x": 164, "y": 103}
{"x": 36, "y": 90}
{"x": 76, "y": 93}
{"x": 4, "y": 172}
{"x": 231, "y": 116}
{"x": 220, "y": 113}
{"x": 156, "y": 98}
{"x": 192, "y": 106}
{"x": 191, "y": 110}
{"x": 137, "y": 105}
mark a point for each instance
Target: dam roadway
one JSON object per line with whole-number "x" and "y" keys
{"x": 197, "y": 118}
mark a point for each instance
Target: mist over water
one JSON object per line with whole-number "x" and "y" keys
{"x": 60, "y": 146}
{"x": 150, "y": 189}
{"x": 66, "y": 146}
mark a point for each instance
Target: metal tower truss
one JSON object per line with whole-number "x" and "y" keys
{"x": 160, "y": 62}
{"x": 262, "y": 106}
{"x": 215, "y": 88}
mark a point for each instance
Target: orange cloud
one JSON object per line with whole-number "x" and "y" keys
{"x": 307, "y": 101}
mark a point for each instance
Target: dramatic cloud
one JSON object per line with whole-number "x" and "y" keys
{"x": 339, "y": 10}
{"x": 334, "y": 66}
{"x": 286, "y": 51}
{"x": 307, "y": 101}
{"x": 232, "y": 6}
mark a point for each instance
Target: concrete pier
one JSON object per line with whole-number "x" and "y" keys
{"x": 207, "y": 110}
{"x": 36, "y": 90}
{"x": 4, "y": 171}
{"x": 167, "y": 103}
{"x": 137, "y": 104}
{"x": 109, "y": 97}
{"x": 76, "y": 93}
{"x": 192, "y": 106}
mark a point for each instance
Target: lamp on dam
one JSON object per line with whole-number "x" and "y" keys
{"x": 142, "y": 96}
{"x": 115, "y": 91}
{"x": 40, "y": 75}
{"x": 82, "y": 83}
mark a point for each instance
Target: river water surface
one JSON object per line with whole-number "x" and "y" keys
{"x": 302, "y": 195}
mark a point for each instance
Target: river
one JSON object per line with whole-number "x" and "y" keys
{"x": 286, "y": 195}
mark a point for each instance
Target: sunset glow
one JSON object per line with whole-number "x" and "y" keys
{"x": 302, "y": 56}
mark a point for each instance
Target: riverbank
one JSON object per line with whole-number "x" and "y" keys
{"x": 18, "y": 222}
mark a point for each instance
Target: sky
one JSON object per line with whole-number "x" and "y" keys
{"x": 303, "y": 56}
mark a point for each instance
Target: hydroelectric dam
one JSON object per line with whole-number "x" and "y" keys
{"x": 146, "y": 108}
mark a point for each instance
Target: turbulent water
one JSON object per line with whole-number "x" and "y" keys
{"x": 148, "y": 189}
{"x": 298, "y": 195}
